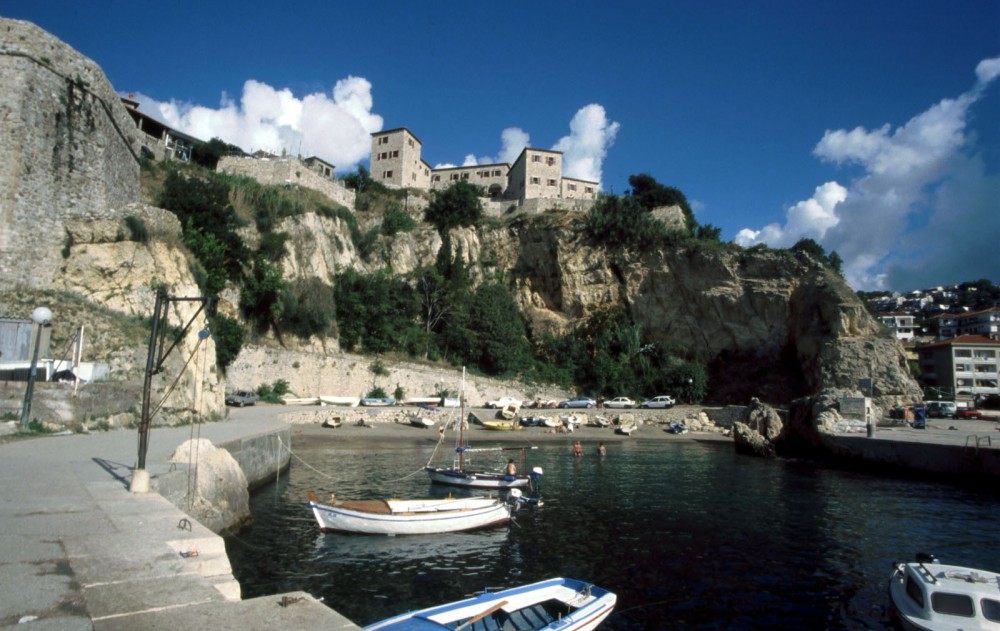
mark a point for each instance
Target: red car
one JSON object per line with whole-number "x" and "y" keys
{"x": 967, "y": 413}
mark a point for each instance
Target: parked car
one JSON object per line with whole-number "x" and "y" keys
{"x": 619, "y": 402}
{"x": 662, "y": 401}
{"x": 241, "y": 398}
{"x": 967, "y": 413}
{"x": 503, "y": 402}
{"x": 941, "y": 409}
{"x": 579, "y": 402}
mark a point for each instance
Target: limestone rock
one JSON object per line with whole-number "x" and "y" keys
{"x": 751, "y": 442}
{"x": 219, "y": 498}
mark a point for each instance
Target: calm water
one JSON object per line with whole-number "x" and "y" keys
{"x": 688, "y": 535}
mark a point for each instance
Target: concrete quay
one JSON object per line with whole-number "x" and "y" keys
{"x": 78, "y": 551}
{"x": 965, "y": 450}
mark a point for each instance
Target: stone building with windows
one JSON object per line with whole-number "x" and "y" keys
{"x": 535, "y": 175}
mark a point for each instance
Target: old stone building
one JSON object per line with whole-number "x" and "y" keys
{"x": 535, "y": 175}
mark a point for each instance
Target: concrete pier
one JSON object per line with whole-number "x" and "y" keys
{"x": 78, "y": 551}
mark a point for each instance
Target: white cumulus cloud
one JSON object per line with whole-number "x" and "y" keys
{"x": 584, "y": 149}
{"x": 336, "y": 126}
{"x": 923, "y": 201}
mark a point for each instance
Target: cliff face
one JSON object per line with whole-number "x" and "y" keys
{"x": 767, "y": 324}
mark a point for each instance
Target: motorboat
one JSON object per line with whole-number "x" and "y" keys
{"x": 421, "y": 421}
{"x": 556, "y": 603}
{"x": 928, "y": 595}
{"x": 410, "y": 517}
{"x": 377, "y": 401}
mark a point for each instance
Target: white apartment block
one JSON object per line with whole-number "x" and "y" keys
{"x": 965, "y": 366}
{"x": 985, "y": 323}
{"x": 902, "y": 324}
{"x": 535, "y": 174}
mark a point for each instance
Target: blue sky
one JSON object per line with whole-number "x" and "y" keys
{"x": 871, "y": 127}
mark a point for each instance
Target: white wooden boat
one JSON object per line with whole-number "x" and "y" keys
{"x": 931, "y": 596}
{"x": 423, "y": 422}
{"x": 509, "y": 411}
{"x": 557, "y": 603}
{"x": 351, "y": 402}
{"x": 627, "y": 428}
{"x": 599, "y": 421}
{"x": 422, "y": 401}
{"x": 300, "y": 400}
{"x": 377, "y": 401}
{"x": 409, "y": 517}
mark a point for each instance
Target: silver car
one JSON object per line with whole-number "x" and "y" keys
{"x": 663, "y": 401}
{"x": 579, "y": 402}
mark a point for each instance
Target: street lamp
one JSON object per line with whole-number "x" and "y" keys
{"x": 42, "y": 317}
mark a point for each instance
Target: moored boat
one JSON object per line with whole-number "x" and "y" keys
{"x": 409, "y": 517}
{"x": 339, "y": 401}
{"x": 500, "y": 426}
{"x": 377, "y": 401}
{"x": 932, "y": 596}
{"x": 424, "y": 422}
{"x": 556, "y": 603}
{"x": 421, "y": 401}
{"x": 299, "y": 400}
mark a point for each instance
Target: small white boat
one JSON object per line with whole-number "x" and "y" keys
{"x": 409, "y": 517}
{"x": 421, "y": 421}
{"x": 300, "y": 400}
{"x": 626, "y": 428}
{"x": 557, "y": 603}
{"x": 422, "y": 401}
{"x": 599, "y": 421}
{"x": 929, "y": 595}
{"x": 509, "y": 411}
{"x": 351, "y": 402}
{"x": 377, "y": 401}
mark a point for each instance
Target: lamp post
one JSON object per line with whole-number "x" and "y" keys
{"x": 42, "y": 317}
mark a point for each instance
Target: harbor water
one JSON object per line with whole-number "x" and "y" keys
{"x": 688, "y": 534}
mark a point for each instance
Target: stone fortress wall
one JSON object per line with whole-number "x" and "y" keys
{"x": 70, "y": 151}
{"x": 284, "y": 172}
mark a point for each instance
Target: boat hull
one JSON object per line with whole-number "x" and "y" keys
{"x": 558, "y": 603}
{"x": 476, "y": 479}
{"x": 411, "y": 517}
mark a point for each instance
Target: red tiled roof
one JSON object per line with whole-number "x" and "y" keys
{"x": 962, "y": 339}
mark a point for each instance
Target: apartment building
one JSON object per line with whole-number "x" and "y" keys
{"x": 965, "y": 366}
{"x": 985, "y": 323}
{"x": 396, "y": 162}
{"x": 902, "y": 324}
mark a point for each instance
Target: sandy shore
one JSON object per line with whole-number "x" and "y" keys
{"x": 385, "y": 430}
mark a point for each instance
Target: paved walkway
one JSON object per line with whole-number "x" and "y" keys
{"x": 78, "y": 551}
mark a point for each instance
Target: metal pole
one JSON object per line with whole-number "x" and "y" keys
{"x": 148, "y": 381}
{"x": 26, "y": 408}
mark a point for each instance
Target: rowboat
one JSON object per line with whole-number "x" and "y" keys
{"x": 556, "y": 603}
{"x": 300, "y": 400}
{"x": 421, "y": 421}
{"x": 422, "y": 401}
{"x": 409, "y": 517}
{"x": 931, "y": 596}
{"x": 501, "y": 426}
{"x": 340, "y": 401}
{"x": 377, "y": 401}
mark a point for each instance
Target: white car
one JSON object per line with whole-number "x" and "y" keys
{"x": 620, "y": 402}
{"x": 663, "y": 401}
{"x": 503, "y": 402}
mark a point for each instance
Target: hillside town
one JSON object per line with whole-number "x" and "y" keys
{"x": 951, "y": 335}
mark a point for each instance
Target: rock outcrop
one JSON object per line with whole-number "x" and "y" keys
{"x": 216, "y": 493}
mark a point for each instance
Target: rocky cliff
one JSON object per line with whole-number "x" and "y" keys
{"x": 771, "y": 324}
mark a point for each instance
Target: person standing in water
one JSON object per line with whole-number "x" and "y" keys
{"x": 602, "y": 450}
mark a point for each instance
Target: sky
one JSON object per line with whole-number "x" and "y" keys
{"x": 872, "y": 128}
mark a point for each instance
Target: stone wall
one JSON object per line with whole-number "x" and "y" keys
{"x": 286, "y": 172}
{"x": 68, "y": 151}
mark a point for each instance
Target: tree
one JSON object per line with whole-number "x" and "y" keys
{"x": 457, "y": 205}
{"x": 208, "y": 154}
{"x": 501, "y": 344}
{"x": 650, "y": 194}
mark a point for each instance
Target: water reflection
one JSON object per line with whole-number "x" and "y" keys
{"x": 688, "y": 535}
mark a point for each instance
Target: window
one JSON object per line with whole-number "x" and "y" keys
{"x": 437, "y": 178}
{"x": 496, "y": 173}
{"x": 395, "y": 154}
{"x": 953, "y": 604}
{"x": 571, "y": 187}
{"x": 552, "y": 182}
{"x": 387, "y": 174}
{"x": 454, "y": 176}
{"x": 550, "y": 161}
{"x": 535, "y": 180}
{"x": 991, "y": 609}
{"x": 465, "y": 176}
{"x": 536, "y": 158}
{"x": 914, "y": 592}
{"x": 590, "y": 189}
{"x": 410, "y": 140}
{"x": 963, "y": 353}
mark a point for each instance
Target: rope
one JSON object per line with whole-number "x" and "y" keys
{"x": 176, "y": 381}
